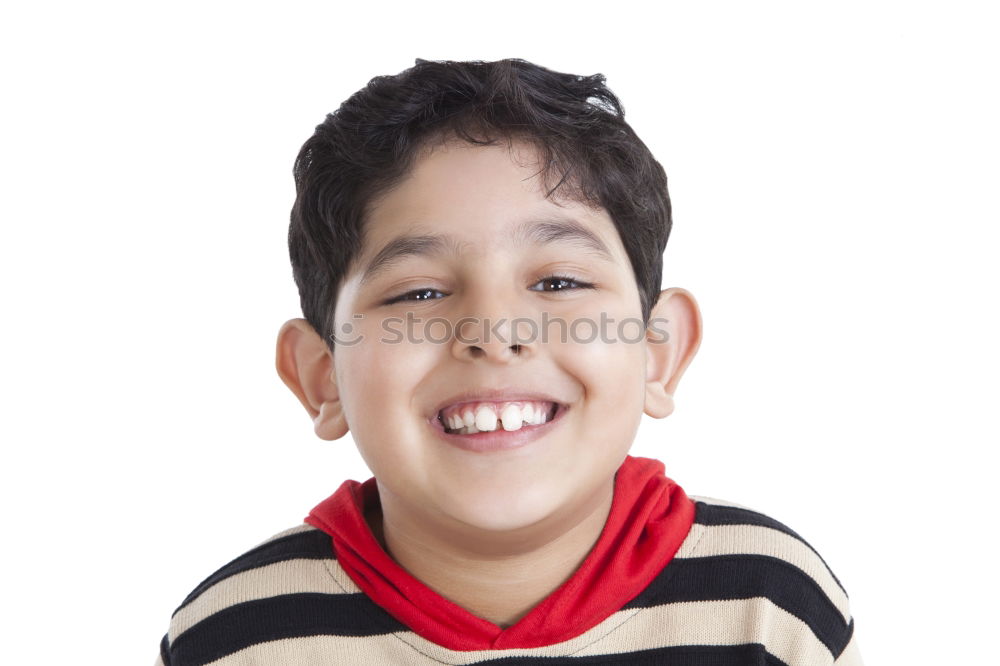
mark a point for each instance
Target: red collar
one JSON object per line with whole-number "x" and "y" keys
{"x": 650, "y": 517}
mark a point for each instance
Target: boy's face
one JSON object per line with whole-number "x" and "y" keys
{"x": 391, "y": 383}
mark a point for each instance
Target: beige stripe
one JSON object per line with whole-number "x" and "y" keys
{"x": 707, "y": 541}
{"x": 704, "y": 623}
{"x": 327, "y": 650}
{"x": 159, "y": 661}
{"x": 287, "y": 577}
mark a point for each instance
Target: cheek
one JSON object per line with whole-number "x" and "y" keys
{"x": 611, "y": 372}
{"x": 379, "y": 375}
{"x": 608, "y": 359}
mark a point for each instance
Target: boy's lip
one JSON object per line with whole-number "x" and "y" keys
{"x": 506, "y": 394}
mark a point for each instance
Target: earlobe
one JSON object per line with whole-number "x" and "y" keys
{"x": 306, "y": 366}
{"x": 672, "y": 339}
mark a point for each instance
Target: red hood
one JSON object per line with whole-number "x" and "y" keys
{"x": 650, "y": 517}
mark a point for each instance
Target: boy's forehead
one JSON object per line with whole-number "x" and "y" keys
{"x": 461, "y": 199}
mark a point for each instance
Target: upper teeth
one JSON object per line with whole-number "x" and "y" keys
{"x": 483, "y": 417}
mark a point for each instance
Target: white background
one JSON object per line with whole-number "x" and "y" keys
{"x": 834, "y": 175}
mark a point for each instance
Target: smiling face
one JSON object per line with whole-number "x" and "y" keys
{"x": 494, "y": 264}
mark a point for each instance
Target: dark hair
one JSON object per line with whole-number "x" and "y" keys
{"x": 368, "y": 145}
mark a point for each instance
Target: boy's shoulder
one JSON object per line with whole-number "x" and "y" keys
{"x": 287, "y": 580}
{"x": 755, "y": 565}
{"x": 723, "y": 528}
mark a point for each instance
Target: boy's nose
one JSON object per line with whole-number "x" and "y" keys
{"x": 501, "y": 353}
{"x": 489, "y": 339}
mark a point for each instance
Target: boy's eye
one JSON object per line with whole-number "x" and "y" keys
{"x": 559, "y": 283}
{"x": 415, "y": 295}
{"x": 562, "y": 283}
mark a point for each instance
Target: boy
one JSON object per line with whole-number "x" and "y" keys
{"x": 478, "y": 251}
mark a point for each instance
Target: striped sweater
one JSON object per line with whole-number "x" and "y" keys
{"x": 741, "y": 589}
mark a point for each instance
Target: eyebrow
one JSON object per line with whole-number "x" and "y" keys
{"x": 532, "y": 232}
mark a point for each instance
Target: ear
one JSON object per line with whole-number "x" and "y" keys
{"x": 672, "y": 340}
{"x": 306, "y": 366}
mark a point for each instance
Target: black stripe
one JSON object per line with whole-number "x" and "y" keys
{"x": 165, "y": 651}
{"x": 285, "y": 616}
{"x": 713, "y": 514}
{"x": 312, "y": 544}
{"x": 688, "y": 655}
{"x": 730, "y": 577}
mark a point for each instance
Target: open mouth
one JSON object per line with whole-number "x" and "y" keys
{"x": 486, "y": 418}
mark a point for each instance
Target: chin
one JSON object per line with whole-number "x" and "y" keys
{"x": 505, "y": 511}
{"x": 499, "y": 524}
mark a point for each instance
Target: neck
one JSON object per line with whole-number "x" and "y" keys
{"x": 497, "y": 577}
